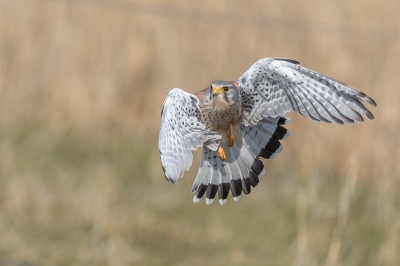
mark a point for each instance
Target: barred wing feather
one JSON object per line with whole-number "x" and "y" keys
{"x": 274, "y": 86}
{"x": 182, "y": 131}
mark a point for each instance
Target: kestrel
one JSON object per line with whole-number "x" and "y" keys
{"x": 238, "y": 122}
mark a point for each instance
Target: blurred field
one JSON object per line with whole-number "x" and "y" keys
{"x": 81, "y": 89}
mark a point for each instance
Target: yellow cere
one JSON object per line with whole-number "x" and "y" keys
{"x": 217, "y": 90}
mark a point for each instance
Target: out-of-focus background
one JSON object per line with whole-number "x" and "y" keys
{"x": 81, "y": 89}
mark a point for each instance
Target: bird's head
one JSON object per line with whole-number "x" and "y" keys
{"x": 223, "y": 93}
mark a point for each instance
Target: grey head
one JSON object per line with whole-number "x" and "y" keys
{"x": 224, "y": 93}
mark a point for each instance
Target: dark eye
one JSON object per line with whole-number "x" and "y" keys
{"x": 225, "y": 89}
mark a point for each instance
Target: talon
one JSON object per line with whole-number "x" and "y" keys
{"x": 231, "y": 136}
{"x": 221, "y": 153}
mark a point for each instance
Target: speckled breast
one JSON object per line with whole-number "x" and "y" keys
{"x": 219, "y": 119}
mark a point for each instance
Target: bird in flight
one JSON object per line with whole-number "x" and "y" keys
{"x": 238, "y": 122}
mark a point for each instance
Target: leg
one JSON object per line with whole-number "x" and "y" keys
{"x": 231, "y": 136}
{"x": 221, "y": 153}
{"x": 237, "y": 132}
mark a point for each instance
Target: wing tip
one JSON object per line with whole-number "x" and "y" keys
{"x": 172, "y": 180}
{"x": 287, "y": 60}
{"x": 371, "y": 101}
{"x": 369, "y": 115}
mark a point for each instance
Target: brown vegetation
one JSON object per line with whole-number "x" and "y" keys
{"x": 81, "y": 89}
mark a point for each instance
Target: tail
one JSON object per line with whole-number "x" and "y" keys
{"x": 242, "y": 169}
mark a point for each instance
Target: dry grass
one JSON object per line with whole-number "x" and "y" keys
{"x": 81, "y": 88}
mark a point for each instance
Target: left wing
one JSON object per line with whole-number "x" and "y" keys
{"x": 182, "y": 131}
{"x": 273, "y": 86}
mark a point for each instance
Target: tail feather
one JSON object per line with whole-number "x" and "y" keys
{"x": 281, "y": 133}
{"x": 250, "y": 144}
{"x": 244, "y": 155}
{"x": 224, "y": 186}
{"x": 254, "y": 168}
{"x": 201, "y": 172}
{"x": 257, "y": 166}
{"x": 236, "y": 184}
{"x": 205, "y": 171}
{"x": 275, "y": 130}
{"x": 243, "y": 167}
{"x": 254, "y": 139}
{"x": 244, "y": 171}
{"x": 215, "y": 179}
{"x": 261, "y": 142}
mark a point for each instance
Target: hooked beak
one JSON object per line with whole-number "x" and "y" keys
{"x": 216, "y": 91}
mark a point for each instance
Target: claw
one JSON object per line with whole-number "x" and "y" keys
{"x": 221, "y": 153}
{"x": 231, "y": 136}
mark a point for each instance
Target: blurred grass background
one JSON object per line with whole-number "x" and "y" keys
{"x": 81, "y": 89}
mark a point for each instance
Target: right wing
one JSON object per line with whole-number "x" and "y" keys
{"x": 273, "y": 86}
{"x": 182, "y": 131}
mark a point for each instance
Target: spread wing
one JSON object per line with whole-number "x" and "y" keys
{"x": 274, "y": 86}
{"x": 182, "y": 131}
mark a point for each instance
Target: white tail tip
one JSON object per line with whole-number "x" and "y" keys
{"x": 196, "y": 199}
{"x": 209, "y": 201}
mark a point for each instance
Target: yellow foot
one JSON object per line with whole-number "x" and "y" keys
{"x": 231, "y": 136}
{"x": 221, "y": 153}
